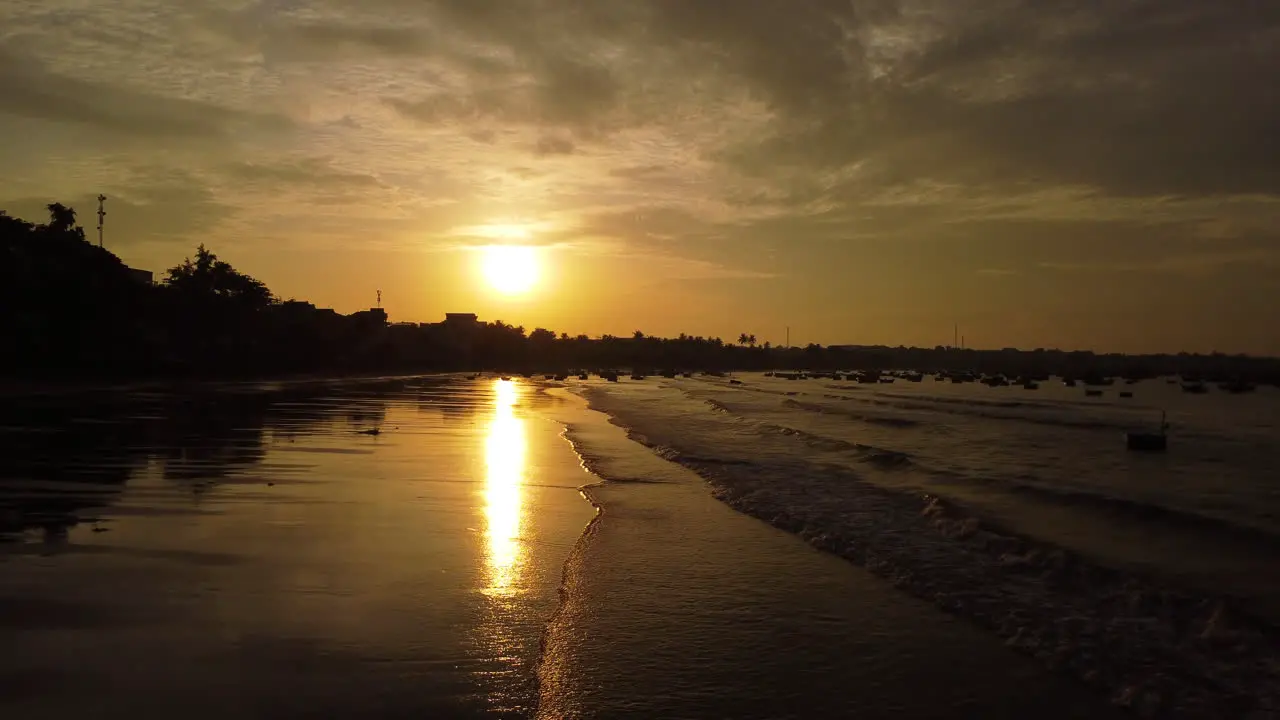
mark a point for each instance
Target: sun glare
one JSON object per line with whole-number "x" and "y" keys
{"x": 505, "y": 473}
{"x": 510, "y": 269}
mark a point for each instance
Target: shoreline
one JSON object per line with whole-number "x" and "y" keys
{"x": 701, "y": 563}
{"x": 1151, "y": 649}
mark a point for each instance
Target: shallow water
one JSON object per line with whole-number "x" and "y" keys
{"x": 1048, "y": 464}
{"x": 261, "y": 557}
{"x": 678, "y": 606}
{"x": 1019, "y": 511}
{"x": 250, "y": 551}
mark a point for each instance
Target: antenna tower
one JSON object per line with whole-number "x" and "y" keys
{"x": 102, "y": 217}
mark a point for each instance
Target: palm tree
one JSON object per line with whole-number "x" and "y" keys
{"x": 751, "y": 340}
{"x": 742, "y": 339}
{"x": 637, "y": 335}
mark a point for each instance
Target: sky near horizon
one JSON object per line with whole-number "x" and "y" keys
{"x": 1099, "y": 174}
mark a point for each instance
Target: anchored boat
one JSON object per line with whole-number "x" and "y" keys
{"x": 1149, "y": 441}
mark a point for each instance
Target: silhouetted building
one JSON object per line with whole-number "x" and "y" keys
{"x": 373, "y": 317}
{"x": 146, "y": 277}
{"x": 460, "y": 318}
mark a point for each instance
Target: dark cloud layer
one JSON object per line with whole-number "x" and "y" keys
{"x": 1138, "y": 98}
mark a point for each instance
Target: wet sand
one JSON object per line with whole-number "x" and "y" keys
{"x": 257, "y": 555}
{"x": 301, "y": 568}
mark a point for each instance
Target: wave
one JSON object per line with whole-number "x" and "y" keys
{"x": 1129, "y": 509}
{"x": 595, "y": 463}
{"x": 863, "y": 417}
{"x": 963, "y": 407}
{"x": 880, "y": 457}
{"x": 1161, "y": 649}
{"x": 981, "y": 409}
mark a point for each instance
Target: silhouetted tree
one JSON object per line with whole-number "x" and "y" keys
{"x": 209, "y": 277}
{"x": 61, "y": 217}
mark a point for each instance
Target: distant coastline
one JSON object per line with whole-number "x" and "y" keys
{"x": 76, "y": 313}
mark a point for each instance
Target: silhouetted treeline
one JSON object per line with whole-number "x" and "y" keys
{"x": 73, "y": 310}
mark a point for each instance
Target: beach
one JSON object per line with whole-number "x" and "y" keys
{"x": 265, "y": 557}
{"x": 461, "y": 548}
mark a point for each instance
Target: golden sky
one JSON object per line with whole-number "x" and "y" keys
{"x": 1052, "y": 173}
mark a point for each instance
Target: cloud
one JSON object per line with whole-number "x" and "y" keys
{"x": 910, "y": 142}
{"x": 31, "y": 90}
{"x": 309, "y": 172}
{"x": 551, "y": 145}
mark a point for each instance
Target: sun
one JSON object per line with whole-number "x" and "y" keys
{"x": 510, "y": 269}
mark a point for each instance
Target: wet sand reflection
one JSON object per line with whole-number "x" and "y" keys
{"x": 505, "y": 453}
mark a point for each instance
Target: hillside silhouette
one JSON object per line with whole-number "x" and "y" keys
{"x": 74, "y": 311}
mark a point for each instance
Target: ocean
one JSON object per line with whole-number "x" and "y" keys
{"x": 1151, "y": 576}
{"x": 661, "y": 548}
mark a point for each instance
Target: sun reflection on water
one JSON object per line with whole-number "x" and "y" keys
{"x": 505, "y": 450}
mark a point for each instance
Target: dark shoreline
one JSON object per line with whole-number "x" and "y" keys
{"x": 11, "y": 388}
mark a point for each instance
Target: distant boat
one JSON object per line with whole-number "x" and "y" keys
{"x": 637, "y": 376}
{"x": 1237, "y": 387}
{"x": 1149, "y": 441}
{"x": 735, "y": 382}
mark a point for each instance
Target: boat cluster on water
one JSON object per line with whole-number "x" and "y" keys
{"x": 866, "y": 377}
{"x": 1094, "y": 386}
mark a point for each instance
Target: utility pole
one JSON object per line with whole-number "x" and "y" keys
{"x": 379, "y": 298}
{"x": 102, "y": 215}
{"x": 788, "y": 336}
